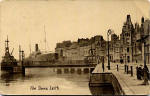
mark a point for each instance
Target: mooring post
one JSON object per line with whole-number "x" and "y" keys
{"x": 117, "y": 68}
{"x": 127, "y": 69}
{"x": 23, "y": 70}
{"x": 22, "y": 62}
{"x": 131, "y": 70}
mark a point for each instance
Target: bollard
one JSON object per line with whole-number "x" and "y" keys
{"x": 127, "y": 69}
{"x": 117, "y": 68}
{"x": 131, "y": 70}
{"x": 23, "y": 70}
{"x": 137, "y": 73}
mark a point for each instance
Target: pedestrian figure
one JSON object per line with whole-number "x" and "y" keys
{"x": 137, "y": 73}
{"x": 103, "y": 63}
{"x": 140, "y": 73}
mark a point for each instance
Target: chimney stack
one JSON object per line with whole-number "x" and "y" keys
{"x": 128, "y": 18}
{"x": 142, "y": 20}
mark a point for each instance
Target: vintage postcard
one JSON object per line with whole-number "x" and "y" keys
{"x": 74, "y": 47}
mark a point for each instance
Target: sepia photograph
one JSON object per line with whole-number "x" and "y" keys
{"x": 74, "y": 47}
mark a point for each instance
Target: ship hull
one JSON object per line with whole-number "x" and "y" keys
{"x": 16, "y": 69}
{"x": 7, "y": 69}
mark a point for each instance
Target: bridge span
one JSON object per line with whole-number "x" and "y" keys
{"x": 61, "y": 65}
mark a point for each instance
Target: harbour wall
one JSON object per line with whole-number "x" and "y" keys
{"x": 104, "y": 79}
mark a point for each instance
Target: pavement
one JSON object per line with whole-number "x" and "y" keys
{"x": 130, "y": 84}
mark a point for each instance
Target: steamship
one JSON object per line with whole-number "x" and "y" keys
{"x": 41, "y": 58}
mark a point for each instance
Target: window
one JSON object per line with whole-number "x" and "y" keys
{"x": 128, "y": 49}
{"x": 128, "y": 59}
{"x": 61, "y": 52}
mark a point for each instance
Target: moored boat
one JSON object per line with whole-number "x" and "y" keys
{"x": 9, "y": 63}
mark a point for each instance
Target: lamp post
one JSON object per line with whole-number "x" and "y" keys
{"x": 108, "y": 33}
{"x": 125, "y": 63}
{"x": 145, "y": 71}
{"x": 91, "y": 54}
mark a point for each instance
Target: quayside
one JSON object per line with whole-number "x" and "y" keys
{"x": 104, "y": 80}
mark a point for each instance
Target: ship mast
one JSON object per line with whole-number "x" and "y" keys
{"x": 45, "y": 40}
{"x": 19, "y": 53}
{"x": 7, "y": 45}
{"x": 45, "y": 37}
{"x": 30, "y": 46}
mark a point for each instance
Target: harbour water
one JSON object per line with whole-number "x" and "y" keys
{"x": 50, "y": 81}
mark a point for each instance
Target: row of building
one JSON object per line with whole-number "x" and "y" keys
{"x": 129, "y": 47}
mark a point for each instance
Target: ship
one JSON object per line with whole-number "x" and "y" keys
{"x": 9, "y": 63}
{"x": 41, "y": 57}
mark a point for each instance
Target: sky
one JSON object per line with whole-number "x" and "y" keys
{"x": 24, "y": 20}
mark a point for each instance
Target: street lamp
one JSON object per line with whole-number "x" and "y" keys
{"x": 108, "y": 33}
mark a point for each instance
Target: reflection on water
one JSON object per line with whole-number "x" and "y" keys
{"x": 105, "y": 90}
{"x": 70, "y": 81}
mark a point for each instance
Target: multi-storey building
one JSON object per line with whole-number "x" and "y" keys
{"x": 126, "y": 41}
{"x": 91, "y": 50}
{"x": 137, "y": 46}
{"x": 61, "y": 48}
{"x": 132, "y": 41}
{"x": 100, "y": 48}
{"x": 115, "y": 48}
{"x": 146, "y": 36}
{"x": 141, "y": 35}
{"x": 129, "y": 48}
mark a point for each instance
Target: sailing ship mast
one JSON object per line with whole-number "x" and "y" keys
{"x": 45, "y": 37}
{"x": 45, "y": 41}
{"x": 30, "y": 46}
